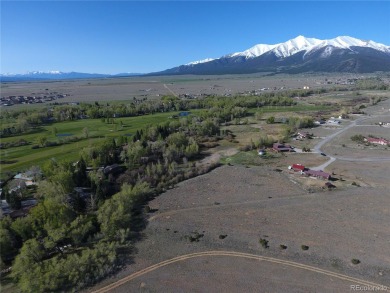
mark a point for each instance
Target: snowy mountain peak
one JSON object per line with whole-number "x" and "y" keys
{"x": 301, "y": 43}
{"x": 200, "y": 61}
{"x": 295, "y": 45}
{"x": 45, "y": 72}
{"x": 255, "y": 51}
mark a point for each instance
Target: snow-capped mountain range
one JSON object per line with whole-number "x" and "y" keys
{"x": 300, "y": 43}
{"x": 57, "y": 75}
{"x": 300, "y": 54}
{"x": 35, "y": 73}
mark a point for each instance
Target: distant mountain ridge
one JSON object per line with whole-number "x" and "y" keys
{"x": 298, "y": 55}
{"x": 57, "y": 75}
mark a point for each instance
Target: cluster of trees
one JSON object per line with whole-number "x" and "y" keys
{"x": 25, "y": 120}
{"x": 72, "y": 238}
{"x": 373, "y": 83}
{"x": 357, "y": 138}
{"x": 16, "y": 143}
{"x": 294, "y": 122}
{"x": 62, "y": 243}
{"x": 262, "y": 141}
{"x": 300, "y": 122}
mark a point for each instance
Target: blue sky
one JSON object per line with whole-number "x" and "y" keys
{"x": 130, "y": 36}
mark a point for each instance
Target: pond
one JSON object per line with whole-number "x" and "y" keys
{"x": 64, "y": 134}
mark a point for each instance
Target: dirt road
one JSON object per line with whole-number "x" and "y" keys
{"x": 172, "y": 92}
{"x": 239, "y": 255}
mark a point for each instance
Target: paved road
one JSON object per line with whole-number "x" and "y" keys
{"x": 240, "y": 255}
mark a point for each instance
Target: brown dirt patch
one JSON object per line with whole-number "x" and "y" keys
{"x": 247, "y": 204}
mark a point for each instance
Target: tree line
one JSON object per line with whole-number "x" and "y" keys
{"x": 24, "y": 121}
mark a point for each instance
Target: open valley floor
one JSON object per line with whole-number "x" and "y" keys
{"x": 259, "y": 229}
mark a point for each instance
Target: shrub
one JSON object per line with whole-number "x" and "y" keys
{"x": 282, "y": 246}
{"x": 194, "y": 236}
{"x": 222, "y": 236}
{"x": 357, "y": 138}
{"x": 270, "y": 120}
{"x": 305, "y": 247}
{"x": 355, "y": 261}
{"x": 264, "y": 243}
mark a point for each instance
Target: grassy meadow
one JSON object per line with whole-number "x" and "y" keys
{"x": 16, "y": 159}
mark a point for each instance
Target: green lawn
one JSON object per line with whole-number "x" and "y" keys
{"x": 20, "y": 158}
{"x": 25, "y": 156}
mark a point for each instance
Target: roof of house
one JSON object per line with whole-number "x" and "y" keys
{"x": 22, "y": 176}
{"x": 111, "y": 168}
{"x": 374, "y": 139}
{"x": 298, "y": 167}
{"x": 280, "y": 146}
{"x": 318, "y": 173}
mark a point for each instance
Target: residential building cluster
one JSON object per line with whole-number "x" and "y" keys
{"x": 22, "y": 181}
{"x": 310, "y": 173}
{"x": 32, "y": 99}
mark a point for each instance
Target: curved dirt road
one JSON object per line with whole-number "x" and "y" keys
{"x": 241, "y": 255}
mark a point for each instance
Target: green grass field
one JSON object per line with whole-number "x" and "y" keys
{"x": 15, "y": 159}
{"x": 23, "y": 157}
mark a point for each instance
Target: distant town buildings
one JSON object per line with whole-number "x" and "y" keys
{"x": 31, "y": 99}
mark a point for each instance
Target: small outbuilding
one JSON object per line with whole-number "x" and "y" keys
{"x": 318, "y": 174}
{"x": 279, "y": 147}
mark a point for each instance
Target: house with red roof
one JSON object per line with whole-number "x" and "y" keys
{"x": 297, "y": 167}
{"x": 375, "y": 140}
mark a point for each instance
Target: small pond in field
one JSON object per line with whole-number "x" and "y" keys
{"x": 64, "y": 134}
{"x": 128, "y": 134}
